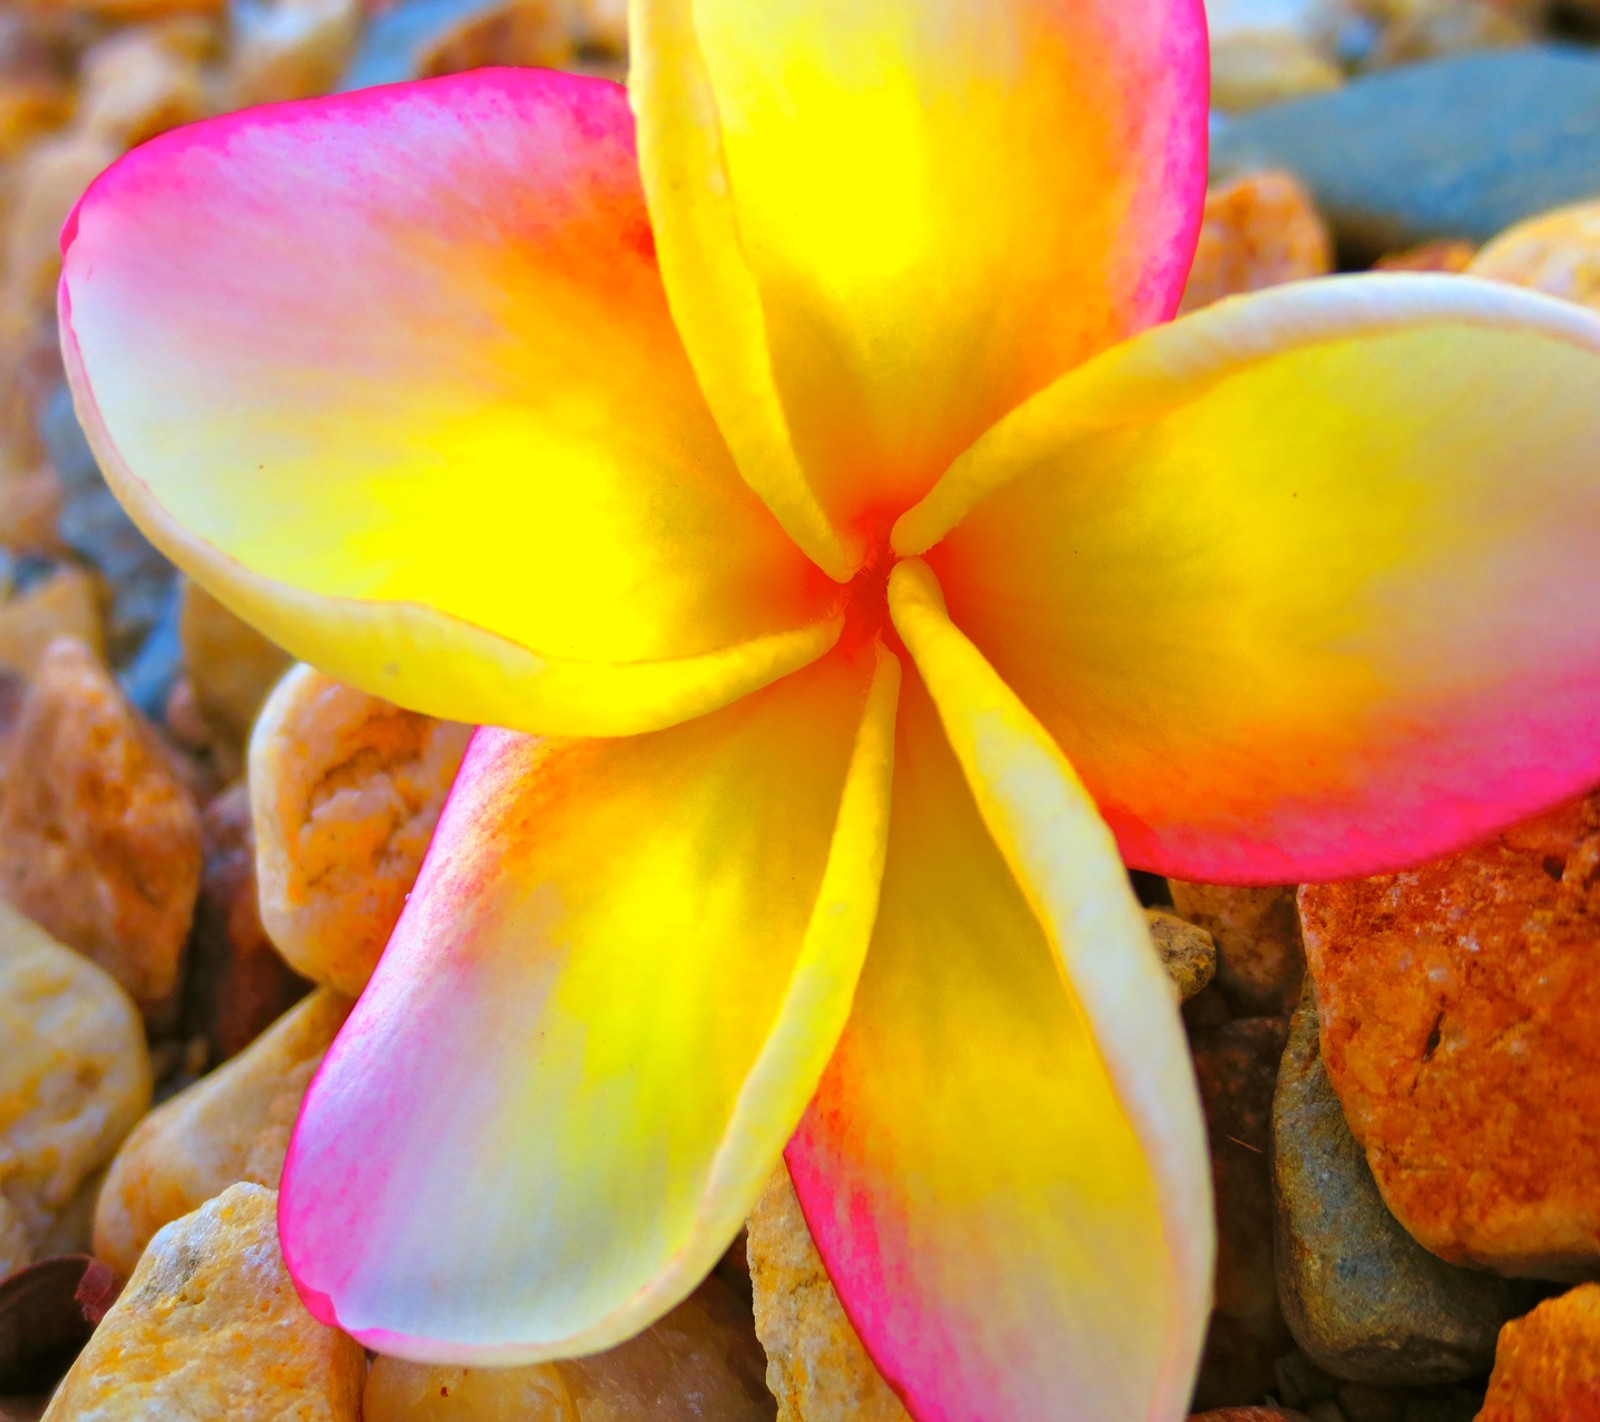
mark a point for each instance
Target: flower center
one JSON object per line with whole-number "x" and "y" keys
{"x": 864, "y": 600}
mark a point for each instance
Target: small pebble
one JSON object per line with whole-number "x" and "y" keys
{"x": 289, "y": 49}
{"x": 66, "y": 604}
{"x": 1259, "y": 230}
{"x": 1547, "y": 1366}
{"x": 1264, "y": 51}
{"x": 1557, "y": 253}
{"x": 1187, "y": 951}
{"x": 1260, "y": 958}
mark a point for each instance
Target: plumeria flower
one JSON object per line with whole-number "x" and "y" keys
{"x": 859, "y": 562}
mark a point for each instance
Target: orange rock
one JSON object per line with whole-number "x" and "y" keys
{"x": 1458, "y": 1009}
{"x": 1447, "y": 255}
{"x": 66, "y": 604}
{"x": 231, "y": 669}
{"x": 1547, "y": 1366}
{"x": 1557, "y": 253}
{"x": 99, "y": 842}
{"x": 1259, "y": 230}
{"x": 1260, "y": 959}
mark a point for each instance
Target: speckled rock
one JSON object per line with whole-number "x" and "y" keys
{"x": 231, "y": 670}
{"x": 1259, "y": 230}
{"x": 701, "y": 1363}
{"x": 1547, "y": 1367}
{"x": 210, "y": 1327}
{"x": 1188, "y": 952}
{"x": 74, "y": 1078}
{"x": 1557, "y": 253}
{"x": 65, "y": 604}
{"x": 1458, "y": 1009}
{"x": 1260, "y": 959}
{"x": 99, "y": 841}
{"x": 817, "y": 1367}
{"x": 346, "y": 790}
{"x": 232, "y": 1125}
{"x": 1364, "y": 1299}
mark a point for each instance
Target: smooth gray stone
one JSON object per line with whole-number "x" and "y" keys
{"x": 1364, "y": 1300}
{"x": 1458, "y": 147}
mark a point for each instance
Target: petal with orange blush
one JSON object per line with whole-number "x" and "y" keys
{"x": 1304, "y": 585}
{"x": 884, "y": 225}
{"x": 602, "y": 1013}
{"x": 1004, "y": 1168}
{"x": 393, "y": 373}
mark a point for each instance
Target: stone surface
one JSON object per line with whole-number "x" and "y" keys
{"x": 701, "y": 1363}
{"x": 289, "y": 49}
{"x": 1557, "y": 253}
{"x": 1460, "y": 147}
{"x": 1459, "y": 1003}
{"x": 99, "y": 841}
{"x": 1259, "y": 230}
{"x": 1547, "y": 1366}
{"x": 139, "y": 82}
{"x": 210, "y": 1327}
{"x": 1188, "y": 952}
{"x": 1363, "y": 1299}
{"x": 1446, "y": 255}
{"x": 817, "y": 1367}
{"x": 346, "y": 790}
{"x": 430, "y": 37}
{"x": 74, "y": 1078}
{"x": 48, "y": 180}
{"x": 1249, "y": 1414}
{"x": 1237, "y": 1067}
{"x": 65, "y": 604}
{"x": 1260, "y": 959}
{"x": 1415, "y": 30}
{"x": 232, "y": 1125}
{"x": 231, "y": 670}
{"x": 1263, "y": 51}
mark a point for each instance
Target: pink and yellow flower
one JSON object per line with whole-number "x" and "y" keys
{"x": 858, "y": 562}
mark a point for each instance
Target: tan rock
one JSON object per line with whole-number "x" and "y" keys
{"x": 1446, "y": 255}
{"x": 1557, "y": 253}
{"x": 520, "y": 32}
{"x": 1458, "y": 1009}
{"x": 1547, "y": 1365}
{"x": 210, "y": 1327}
{"x": 1188, "y": 952}
{"x": 30, "y": 504}
{"x": 345, "y": 790}
{"x": 74, "y": 1077}
{"x": 1263, "y": 51}
{"x": 1260, "y": 959}
{"x": 16, "y": 1249}
{"x": 1259, "y": 230}
{"x": 603, "y": 26}
{"x": 140, "y": 82}
{"x": 1415, "y": 30}
{"x": 231, "y": 668}
{"x": 817, "y": 1367}
{"x": 292, "y": 49}
{"x": 701, "y": 1361}
{"x": 230, "y": 1126}
{"x": 65, "y": 604}
{"x": 99, "y": 841}
{"x": 30, "y": 106}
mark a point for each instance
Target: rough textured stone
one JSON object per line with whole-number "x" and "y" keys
{"x": 1460, "y": 147}
{"x": 1547, "y": 1366}
{"x": 65, "y": 604}
{"x": 1260, "y": 959}
{"x": 1364, "y": 1299}
{"x": 1188, "y": 952}
{"x": 1459, "y": 1003}
{"x": 1237, "y": 1066}
{"x": 1259, "y": 230}
{"x": 346, "y": 790}
{"x": 99, "y": 841}
{"x": 1557, "y": 253}
{"x": 74, "y": 1078}
{"x": 231, "y": 670}
{"x": 817, "y": 1367}
{"x": 701, "y": 1363}
{"x": 232, "y": 1125}
{"x": 210, "y": 1327}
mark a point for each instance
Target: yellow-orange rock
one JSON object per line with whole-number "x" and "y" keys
{"x": 1260, "y": 959}
{"x": 1445, "y": 255}
{"x": 232, "y": 1125}
{"x": 345, "y": 790}
{"x": 65, "y": 604}
{"x": 210, "y": 1327}
{"x": 701, "y": 1363}
{"x": 1557, "y": 253}
{"x": 1547, "y": 1365}
{"x": 817, "y": 1367}
{"x": 1459, "y": 1003}
{"x": 1259, "y": 230}
{"x": 99, "y": 841}
{"x": 231, "y": 669}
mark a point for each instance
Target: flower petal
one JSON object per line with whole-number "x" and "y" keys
{"x": 601, "y": 1015}
{"x": 1005, "y": 1168}
{"x": 1305, "y": 584}
{"x": 884, "y": 225}
{"x": 394, "y": 374}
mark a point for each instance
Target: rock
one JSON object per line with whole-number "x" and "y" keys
{"x": 346, "y": 790}
{"x": 74, "y": 1078}
{"x": 48, "y": 180}
{"x": 1557, "y": 253}
{"x": 1363, "y": 1299}
{"x": 603, "y": 26}
{"x": 47, "y": 1312}
{"x": 140, "y": 82}
{"x": 424, "y": 37}
{"x": 817, "y": 1367}
{"x": 34, "y": 94}
{"x": 149, "y": 677}
{"x": 1442, "y": 256}
{"x": 1237, "y": 1067}
{"x": 65, "y": 604}
{"x": 1249, "y": 1414}
{"x": 1259, "y": 230}
{"x": 1263, "y": 51}
{"x": 289, "y": 49}
{"x": 1458, "y": 1011}
{"x": 209, "y": 1327}
{"x": 1260, "y": 959}
{"x": 1547, "y": 1367}
{"x": 15, "y": 1247}
{"x": 231, "y": 669}
{"x": 701, "y": 1361}
{"x": 1430, "y": 29}
{"x": 1187, "y": 951}
{"x": 1460, "y": 147}
{"x": 99, "y": 842}
{"x": 230, "y": 1126}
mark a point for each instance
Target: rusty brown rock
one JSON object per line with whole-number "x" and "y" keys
{"x": 1557, "y": 253}
{"x": 1459, "y": 1001}
{"x": 1260, "y": 958}
{"x": 99, "y": 841}
{"x": 1547, "y": 1365}
{"x": 1187, "y": 951}
{"x": 1259, "y": 230}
